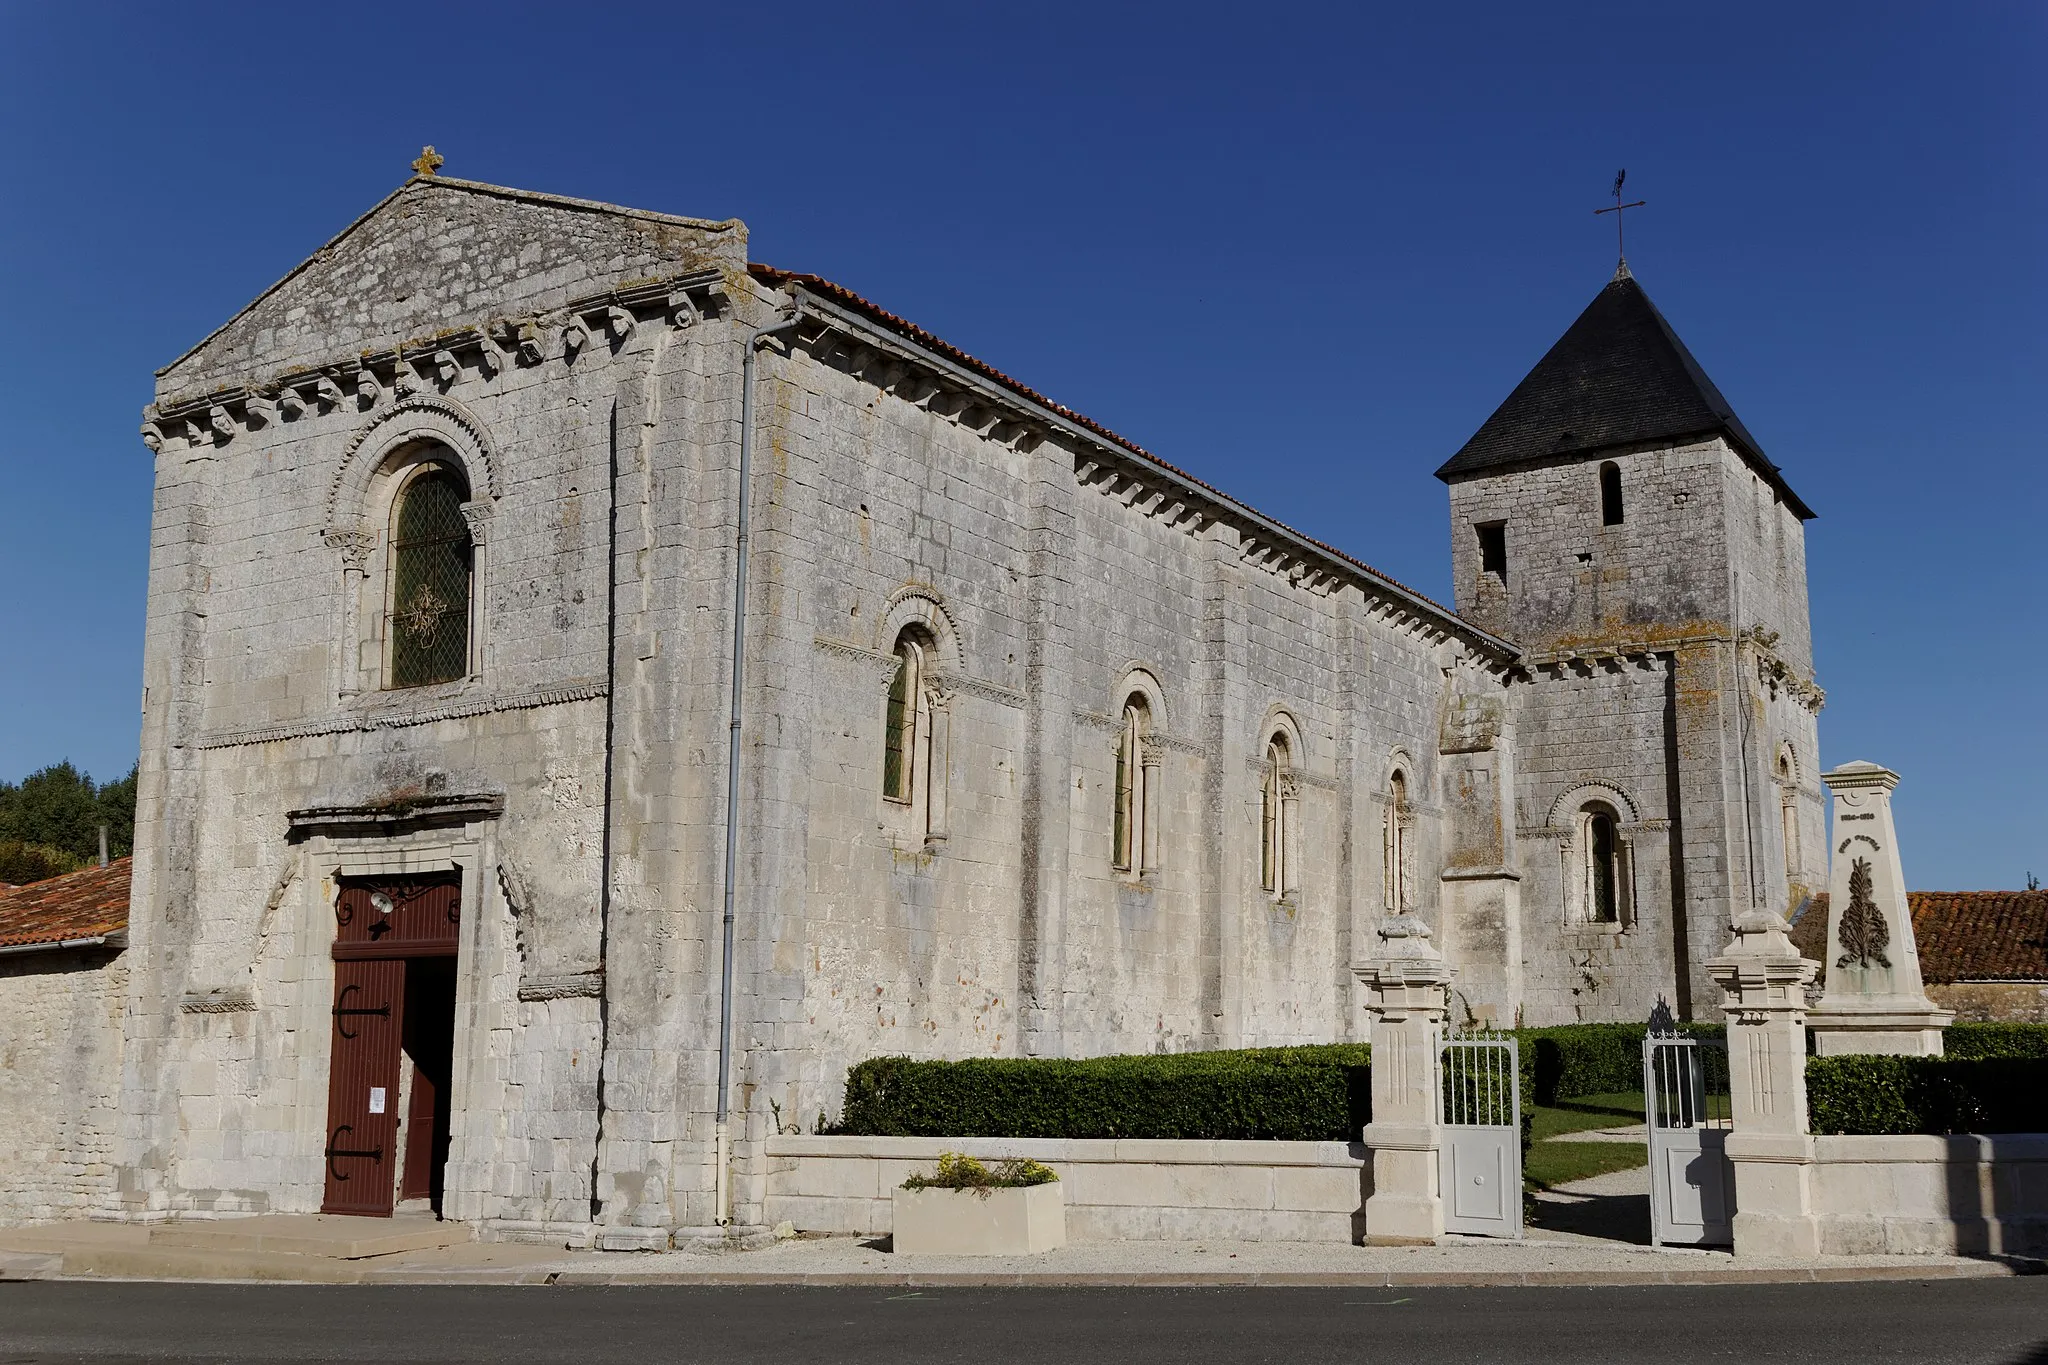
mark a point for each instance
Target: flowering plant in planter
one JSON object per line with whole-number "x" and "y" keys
{"x": 1016, "y": 1207}
{"x": 958, "y": 1171}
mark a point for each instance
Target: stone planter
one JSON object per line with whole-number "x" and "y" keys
{"x": 1012, "y": 1222}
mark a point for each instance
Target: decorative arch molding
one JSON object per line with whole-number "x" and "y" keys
{"x": 1399, "y": 760}
{"x": 1574, "y": 798}
{"x": 1140, "y": 679}
{"x": 416, "y": 417}
{"x": 1788, "y": 756}
{"x": 1280, "y": 720}
{"x": 915, "y": 604}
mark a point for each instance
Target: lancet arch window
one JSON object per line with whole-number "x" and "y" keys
{"x": 1134, "y": 843}
{"x": 430, "y": 580}
{"x": 1610, "y": 494}
{"x": 1396, "y": 833}
{"x": 906, "y": 735}
{"x": 1279, "y": 816}
{"x": 1788, "y": 810}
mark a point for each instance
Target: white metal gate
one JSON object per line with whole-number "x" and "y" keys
{"x": 1479, "y": 1166}
{"x": 1685, "y": 1097}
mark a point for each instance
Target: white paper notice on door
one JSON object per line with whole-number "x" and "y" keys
{"x": 376, "y": 1099}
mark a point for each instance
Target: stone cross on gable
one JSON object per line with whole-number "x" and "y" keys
{"x": 429, "y": 161}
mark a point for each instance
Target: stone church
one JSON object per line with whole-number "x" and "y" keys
{"x": 599, "y": 687}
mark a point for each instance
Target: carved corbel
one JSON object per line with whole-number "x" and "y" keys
{"x": 327, "y": 393}
{"x": 619, "y": 322}
{"x": 575, "y": 336}
{"x": 446, "y": 369}
{"x": 260, "y": 412}
{"x": 532, "y": 343}
{"x": 683, "y": 310}
{"x": 491, "y": 357}
{"x": 291, "y": 404}
{"x": 478, "y": 515}
{"x": 220, "y": 424}
{"x": 368, "y": 387}
{"x": 153, "y": 436}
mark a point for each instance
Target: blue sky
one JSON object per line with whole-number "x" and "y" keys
{"x": 1299, "y": 251}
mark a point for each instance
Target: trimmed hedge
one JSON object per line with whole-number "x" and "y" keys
{"x": 1319, "y": 1093}
{"x": 1996, "y": 1040}
{"x": 1936, "y": 1095}
{"x": 1588, "y": 1059}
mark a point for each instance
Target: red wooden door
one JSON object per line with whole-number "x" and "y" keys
{"x": 362, "y": 1086}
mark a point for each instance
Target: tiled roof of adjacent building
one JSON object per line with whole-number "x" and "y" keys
{"x": 1619, "y": 376}
{"x": 89, "y": 904}
{"x": 1963, "y": 935}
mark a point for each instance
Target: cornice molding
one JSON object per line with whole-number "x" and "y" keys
{"x": 481, "y": 352}
{"x": 398, "y": 719}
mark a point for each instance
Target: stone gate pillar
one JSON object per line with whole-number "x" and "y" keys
{"x": 1875, "y": 1001}
{"x": 1407, "y": 980}
{"x": 1763, "y": 982}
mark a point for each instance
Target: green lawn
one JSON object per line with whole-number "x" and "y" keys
{"x": 1549, "y": 1164}
{"x": 1587, "y": 1111}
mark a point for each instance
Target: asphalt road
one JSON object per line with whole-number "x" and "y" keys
{"x": 2003, "y": 1322}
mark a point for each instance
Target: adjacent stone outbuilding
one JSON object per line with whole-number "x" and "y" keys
{"x": 63, "y": 983}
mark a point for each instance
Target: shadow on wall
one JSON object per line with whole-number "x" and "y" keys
{"x": 1361, "y": 1154}
{"x": 1985, "y": 1177}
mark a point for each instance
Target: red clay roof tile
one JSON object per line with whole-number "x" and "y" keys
{"x": 84, "y": 904}
{"x": 1962, "y": 935}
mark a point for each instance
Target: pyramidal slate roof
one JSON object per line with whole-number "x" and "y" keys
{"x": 1618, "y": 376}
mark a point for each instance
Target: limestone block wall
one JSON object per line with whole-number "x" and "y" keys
{"x": 1051, "y": 590}
{"x": 1600, "y": 732}
{"x": 1572, "y": 581}
{"x": 1114, "y": 1190}
{"x": 1993, "y": 1002}
{"x": 1908, "y": 1196}
{"x": 60, "y": 1064}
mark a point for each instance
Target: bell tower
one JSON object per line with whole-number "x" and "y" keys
{"x": 1616, "y": 518}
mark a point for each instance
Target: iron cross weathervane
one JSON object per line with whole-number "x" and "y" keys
{"x": 1617, "y": 211}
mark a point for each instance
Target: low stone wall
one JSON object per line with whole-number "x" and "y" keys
{"x": 1915, "y": 1195}
{"x": 1116, "y": 1190}
{"x": 1993, "y": 1002}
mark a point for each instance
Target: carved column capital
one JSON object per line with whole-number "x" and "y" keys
{"x": 355, "y": 545}
{"x": 478, "y": 515}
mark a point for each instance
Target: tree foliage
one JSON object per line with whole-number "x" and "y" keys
{"x": 60, "y": 808}
{"x": 21, "y": 863}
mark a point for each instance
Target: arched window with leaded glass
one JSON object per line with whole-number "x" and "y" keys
{"x": 428, "y": 613}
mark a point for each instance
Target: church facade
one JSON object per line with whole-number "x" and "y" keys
{"x": 448, "y": 889}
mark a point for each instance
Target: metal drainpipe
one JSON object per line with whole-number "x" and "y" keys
{"x": 732, "y": 758}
